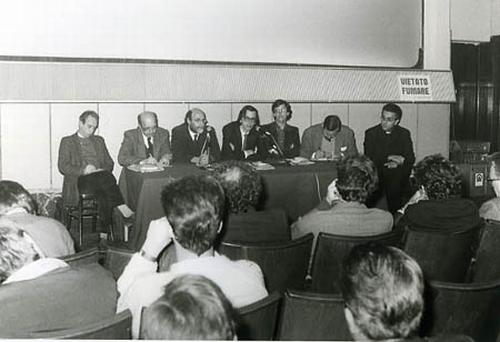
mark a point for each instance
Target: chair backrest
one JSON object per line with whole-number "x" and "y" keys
{"x": 258, "y": 320}
{"x": 116, "y": 259}
{"x": 472, "y": 309}
{"x": 87, "y": 204}
{"x": 312, "y": 316}
{"x": 486, "y": 266}
{"x": 89, "y": 256}
{"x": 331, "y": 250}
{"x": 443, "y": 256}
{"x": 270, "y": 225}
{"x": 117, "y": 327}
{"x": 284, "y": 265}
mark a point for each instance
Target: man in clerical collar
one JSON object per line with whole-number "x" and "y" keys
{"x": 390, "y": 147}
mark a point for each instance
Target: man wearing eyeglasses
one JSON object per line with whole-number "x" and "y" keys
{"x": 195, "y": 141}
{"x": 240, "y": 139}
{"x": 147, "y": 144}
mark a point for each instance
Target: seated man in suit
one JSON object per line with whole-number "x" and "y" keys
{"x": 146, "y": 144}
{"x": 193, "y": 206}
{"x": 44, "y": 294}
{"x": 240, "y": 139}
{"x": 283, "y": 135}
{"x": 329, "y": 140}
{"x": 194, "y": 141}
{"x": 50, "y": 235}
{"x": 243, "y": 188}
{"x": 491, "y": 209}
{"x": 86, "y": 165}
{"x": 383, "y": 291}
{"x": 192, "y": 307}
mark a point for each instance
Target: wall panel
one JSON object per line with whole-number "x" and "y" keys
{"x": 362, "y": 117}
{"x": 433, "y": 130}
{"x": 169, "y": 114}
{"x": 321, "y": 110}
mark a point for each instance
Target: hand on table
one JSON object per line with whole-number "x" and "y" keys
{"x": 149, "y": 160}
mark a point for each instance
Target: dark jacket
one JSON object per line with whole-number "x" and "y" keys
{"x": 231, "y": 143}
{"x": 292, "y": 140}
{"x": 184, "y": 147}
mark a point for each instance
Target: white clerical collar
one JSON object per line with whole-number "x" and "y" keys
{"x": 80, "y": 136}
{"x": 36, "y": 269}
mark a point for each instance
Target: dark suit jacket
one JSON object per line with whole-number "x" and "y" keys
{"x": 184, "y": 147}
{"x": 231, "y": 143}
{"x": 133, "y": 150}
{"x": 71, "y": 163}
{"x": 292, "y": 139}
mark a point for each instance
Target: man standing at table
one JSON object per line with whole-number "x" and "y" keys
{"x": 390, "y": 147}
{"x": 240, "y": 139}
{"x": 146, "y": 144}
{"x": 194, "y": 141}
{"x": 328, "y": 140}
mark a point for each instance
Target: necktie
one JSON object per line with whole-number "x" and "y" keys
{"x": 150, "y": 147}
{"x": 196, "y": 136}
{"x": 245, "y": 141}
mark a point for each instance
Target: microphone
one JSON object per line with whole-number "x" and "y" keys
{"x": 274, "y": 142}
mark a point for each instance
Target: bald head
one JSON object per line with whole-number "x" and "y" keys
{"x": 148, "y": 122}
{"x": 196, "y": 120}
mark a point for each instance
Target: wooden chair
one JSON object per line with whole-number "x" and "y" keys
{"x": 312, "y": 316}
{"x": 472, "y": 309}
{"x": 89, "y": 256}
{"x": 443, "y": 256}
{"x": 85, "y": 209}
{"x": 116, "y": 259}
{"x": 117, "y": 327}
{"x": 258, "y": 320}
{"x": 331, "y": 250}
{"x": 284, "y": 265}
{"x": 486, "y": 265}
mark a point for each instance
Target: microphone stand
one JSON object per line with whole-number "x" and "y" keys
{"x": 275, "y": 143}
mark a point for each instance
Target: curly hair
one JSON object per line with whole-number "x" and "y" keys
{"x": 356, "y": 178}
{"x": 241, "y": 183}
{"x": 440, "y": 177}
{"x": 14, "y": 195}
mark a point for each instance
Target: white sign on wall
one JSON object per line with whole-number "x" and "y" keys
{"x": 415, "y": 87}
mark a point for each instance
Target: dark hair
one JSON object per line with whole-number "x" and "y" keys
{"x": 356, "y": 178}
{"x": 393, "y": 108}
{"x": 147, "y": 113}
{"x": 332, "y": 123}
{"x": 192, "y": 307}
{"x": 241, "y": 183}
{"x": 280, "y": 102}
{"x": 83, "y": 117}
{"x": 12, "y": 195}
{"x": 189, "y": 114}
{"x": 383, "y": 289}
{"x": 251, "y": 109}
{"x": 194, "y": 206}
{"x": 440, "y": 177}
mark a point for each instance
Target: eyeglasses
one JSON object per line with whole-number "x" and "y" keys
{"x": 249, "y": 119}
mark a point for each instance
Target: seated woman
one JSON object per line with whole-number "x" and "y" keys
{"x": 243, "y": 223}
{"x": 491, "y": 209}
{"x": 50, "y": 235}
{"x": 437, "y": 203}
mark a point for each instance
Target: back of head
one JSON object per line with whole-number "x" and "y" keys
{"x": 191, "y": 308}
{"x": 16, "y": 249}
{"x": 332, "y": 123}
{"x": 383, "y": 290}
{"x": 14, "y": 195}
{"x": 356, "y": 178}
{"x": 194, "y": 206}
{"x": 242, "y": 185}
{"x": 440, "y": 177}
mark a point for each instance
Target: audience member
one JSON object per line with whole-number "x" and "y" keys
{"x": 437, "y": 203}
{"x": 243, "y": 188}
{"x": 50, "y": 235}
{"x": 491, "y": 209}
{"x": 194, "y": 141}
{"x": 383, "y": 292}
{"x": 193, "y": 206}
{"x": 330, "y": 140}
{"x": 284, "y": 135}
{"x": 192, "y": 307}
{"x": 44, "y": 294}
{"x": 391, "y": 149}
{"x": 146, "y": 144}
{"x": 344, "y": 211}
{"x": 240, "y": 139}
{"x": 86, "y": 165}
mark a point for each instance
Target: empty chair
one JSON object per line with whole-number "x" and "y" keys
{"x": 486, "y": 266}
{"x": 284, "y": 265}
{"x": 312, "y": 316}
{"x": 330, "y": 251}
{"x": 472, "y": 309}
{"x": 117, "y": 327}
{"x": 442, "y": 255}
{"x": 258, "y": 320}
{"x": 116, "y": 259}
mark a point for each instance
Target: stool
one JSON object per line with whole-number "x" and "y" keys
{"x": 86, "y": 208}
